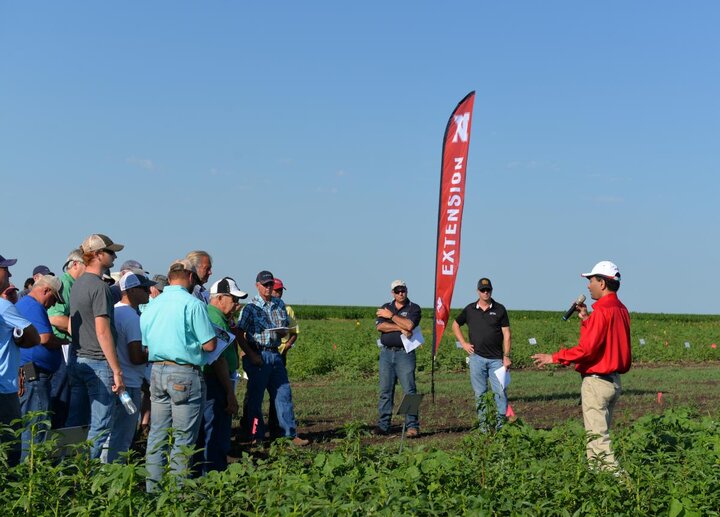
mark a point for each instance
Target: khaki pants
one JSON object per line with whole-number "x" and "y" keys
{"x": 598, "y": 401}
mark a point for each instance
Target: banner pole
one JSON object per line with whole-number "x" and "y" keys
{"x": 432, "y": 379}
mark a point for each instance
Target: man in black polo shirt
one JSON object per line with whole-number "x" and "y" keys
{"x": 394, "y": 319}
{"x": 489, "y": 347}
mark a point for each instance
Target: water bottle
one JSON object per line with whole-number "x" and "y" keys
{"x": 128, "y": 403}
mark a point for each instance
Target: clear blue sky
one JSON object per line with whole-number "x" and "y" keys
{"x": 305, "y": 138}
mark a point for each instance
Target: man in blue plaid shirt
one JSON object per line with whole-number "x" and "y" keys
{"x": 264, "y": 321}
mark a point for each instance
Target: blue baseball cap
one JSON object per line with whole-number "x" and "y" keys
{"x": 7, "y": 262}
{"x": 264, "y": 277}
{"x": 42, "y": 270}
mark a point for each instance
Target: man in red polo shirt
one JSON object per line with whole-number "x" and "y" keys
{"x": 601, "y": 355}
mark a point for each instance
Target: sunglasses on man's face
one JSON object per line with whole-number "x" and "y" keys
{"x": 109, "y": 252}
{"x": 399, "y": 290}
{"x": 485, "y": 290}
{"x": 268, "y": 285}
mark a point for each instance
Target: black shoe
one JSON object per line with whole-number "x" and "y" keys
{"x": 379, "y": 431}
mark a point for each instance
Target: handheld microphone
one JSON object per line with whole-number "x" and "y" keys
{"x": 573, "y": 307}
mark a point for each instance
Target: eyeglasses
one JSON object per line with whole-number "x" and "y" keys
{"x": 268, "y": 284}
{"x": 485, "y": 290}
{"x": 109, "y": 252}
{"x": 399, "y": 290}
{"x": 235, "y": 299}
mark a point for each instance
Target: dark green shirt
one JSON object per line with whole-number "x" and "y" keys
{"x": 62, "y": 309}
{"x": 230, "y": 354}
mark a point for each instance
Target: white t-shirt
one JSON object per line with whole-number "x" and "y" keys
{"x": 127, "y": 324}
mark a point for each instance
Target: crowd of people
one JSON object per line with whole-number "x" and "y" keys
{"x": 120, "y": 351}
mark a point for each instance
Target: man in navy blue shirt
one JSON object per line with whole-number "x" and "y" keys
{"x": 42, "y": 360}
{"x": 396, "y": 319}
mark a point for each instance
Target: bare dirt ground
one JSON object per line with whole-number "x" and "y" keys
{"x": 542, "y": 400}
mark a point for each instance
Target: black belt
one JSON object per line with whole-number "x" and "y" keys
{"x": 610, "y": 377}
{"x": 394, "y": 348}
{"x": 268, "y": 348}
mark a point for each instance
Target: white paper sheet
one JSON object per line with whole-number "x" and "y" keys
{"x": 414, "y": 341}
{"x": 503, "y": 375}
{"x": 224, "y": 339}
{"x": 278, "y": 329}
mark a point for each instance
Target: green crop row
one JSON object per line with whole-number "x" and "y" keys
{"x": 342, "y": 340}
{"x": 672, "y": 464}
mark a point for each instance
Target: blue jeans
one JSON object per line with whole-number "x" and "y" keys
{"x": 95, "y": 378}
{"x": 395, "y": 365}
{"x": 35, "y": 398}
{"x": 177, "y": 397}
{"x": 78, "y": 403}
{"x": 480, "y": 370}
{"x": 123, "y": 426}
{"x": 60, "y": 396}
{"x": 271, "y": 376}
{"x": 9, "y": 411}
{"x": 216, "y": 428}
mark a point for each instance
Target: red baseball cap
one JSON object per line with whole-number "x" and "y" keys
{"x": 278, "y": 285}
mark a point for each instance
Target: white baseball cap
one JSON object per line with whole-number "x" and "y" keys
{"x": 130, "y": 280}
{"x": 227, "y": 286}
{"x": 604, "y": 268}
{"x": 397, "y": 283}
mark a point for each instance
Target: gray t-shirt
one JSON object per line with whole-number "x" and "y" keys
{"x": 89, "y": 298}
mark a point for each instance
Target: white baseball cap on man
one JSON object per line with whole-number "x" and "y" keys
{"x": 227, "y": 286}
{"x": 604, "y": 268}
{"x": 397, "y": 283}
{"x": 130, "y": 280}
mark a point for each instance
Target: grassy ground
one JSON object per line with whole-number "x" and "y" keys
{"x": 346, "y": 346}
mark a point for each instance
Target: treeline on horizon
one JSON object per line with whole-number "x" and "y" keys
{"x": 351, "y": 312}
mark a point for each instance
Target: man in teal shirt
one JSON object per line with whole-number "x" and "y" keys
{"x": 178, "y": 333}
